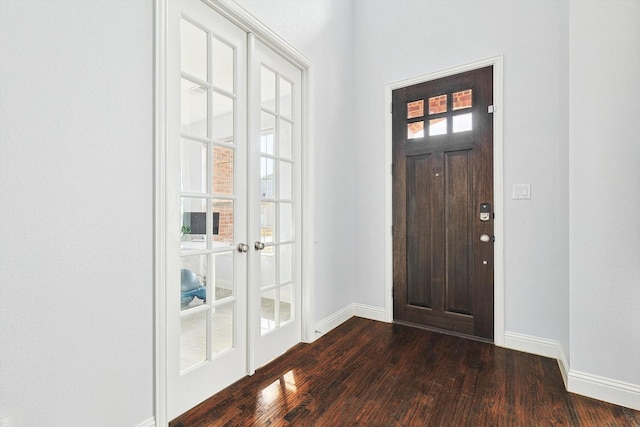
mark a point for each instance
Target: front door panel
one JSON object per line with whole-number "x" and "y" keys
{"x": 443, "y": 173}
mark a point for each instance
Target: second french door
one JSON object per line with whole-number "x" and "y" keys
{"x": 233, "y": 204}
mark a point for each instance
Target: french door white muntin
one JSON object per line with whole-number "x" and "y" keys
{"x": 275, "y": 203}
{"x": 232, "y": 177}
{"x": 206, "y": 212}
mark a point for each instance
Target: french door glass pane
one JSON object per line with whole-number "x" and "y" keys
{"x": 267, "y": 173}
{"x": 222, "y": 222}
{"x": 193, "y": 280}
{"x": 286, "y": 222}
{"x": 222, "y": 328}
{"x": 267, "y": 221}
{"x": 193, "y": 339}
{"x": 267, "y": 133}
{"x": 193, "y": 48}
{"x": 223, "y": 275}
{"x": 286, "y": 303}
{"x": 222, "y": 170}
{"x": 285, "y": 98}
{"x": 286, "y": 181}
{"x": 286, "y": 263}
{"x": 268, "y": 310}
{"x": 193, "y": 226}
{"x": 284, "y": 139}
{"x": 193, "y": 166}
{"x": 193, "y": 109}
{"x": 267, "y": 269}
{"x": 268, "y": 89}
{"x": 222, "y": 117}
{"x": 222, "y": 65}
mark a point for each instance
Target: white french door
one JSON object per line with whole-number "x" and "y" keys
{"x": 275, "y": 204}
{"x": 233, "y": 204}
{"x": 206, "y": 213}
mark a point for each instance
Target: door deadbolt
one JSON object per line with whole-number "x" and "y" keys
{"x": 485, "y": 212}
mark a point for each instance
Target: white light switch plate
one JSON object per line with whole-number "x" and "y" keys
{"x": 521, "y": 191}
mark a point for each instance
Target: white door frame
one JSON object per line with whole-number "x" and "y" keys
{"x": 250, "y": 24}
{"x": 498, "y": 186}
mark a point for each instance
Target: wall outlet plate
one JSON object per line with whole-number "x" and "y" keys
{"x": 521, "y": 192}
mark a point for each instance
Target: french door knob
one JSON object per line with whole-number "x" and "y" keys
{"x": 242, "y": 247}
{"x": 259, "y": 246}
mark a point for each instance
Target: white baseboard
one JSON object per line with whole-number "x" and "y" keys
{"x": 346, "y": 313}
{"x": 529, "y": 344}
{"x": 334, "y": 320}
{"x": 601, "y": 388}
{"x": 605, "y": 389}
{"x": 151, "y": 422}
{"x": 369, "y": 312}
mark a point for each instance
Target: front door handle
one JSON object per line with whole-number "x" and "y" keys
{"x": 259, "y": 246}
{"x": 243, "y": 247}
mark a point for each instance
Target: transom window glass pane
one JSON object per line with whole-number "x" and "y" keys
{"x": 462, "y": 99}
{"x": 193, "y": 109}
{"x": 415, "y": 109}
{"x": 193, "y": 50}
{"x": 438, "y": 104}
{"x": 268, "y": 89}
{"x": 222, "y": 65}
{"x": 462, "y": 122}
{"x": 438, "y": 126}
{"x": 415, "y": 130}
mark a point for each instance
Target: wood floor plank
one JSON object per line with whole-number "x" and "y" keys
{"x": 367, "y": 373}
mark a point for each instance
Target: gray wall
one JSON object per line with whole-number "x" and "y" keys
{"x": 76, "y": 218}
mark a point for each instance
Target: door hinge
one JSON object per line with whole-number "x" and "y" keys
{"x": 391, "y": 107}
{"x": 391, "y": 169}
{"x": 490, "y": 109}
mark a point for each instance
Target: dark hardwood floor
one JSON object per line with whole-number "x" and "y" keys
{"x": 370, "y": 373}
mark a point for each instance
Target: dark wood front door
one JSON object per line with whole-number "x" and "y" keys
{"x": 443, "y": 204}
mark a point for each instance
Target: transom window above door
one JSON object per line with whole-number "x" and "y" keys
{"x": 446, "y": 114}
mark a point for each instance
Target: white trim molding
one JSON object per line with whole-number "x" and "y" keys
{"x": 606, "y": 389}
{"x": 498, "y": 185}
{"x": 151, "y": 422}
{"x": 594, "y": 386}
{"x": 339, "y": 317}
